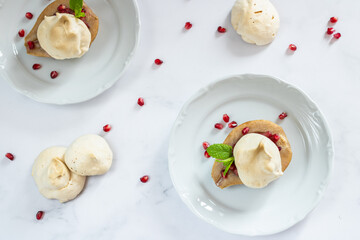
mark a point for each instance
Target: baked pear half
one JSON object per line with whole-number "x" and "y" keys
{"x": 264, "y": 127}
{"x": 59, "y": 6}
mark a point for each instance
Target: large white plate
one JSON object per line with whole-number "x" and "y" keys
{"x": 239, "y": 209}
{"x": 79, "y": 79}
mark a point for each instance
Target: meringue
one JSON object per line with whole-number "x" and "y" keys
{"x": 257, "y": 21}
{"x": 257, "y": 160}
{"x": 89, "y": 155}
{"x": 52, "y": 177}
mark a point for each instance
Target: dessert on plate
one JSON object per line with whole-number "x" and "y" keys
{"x": 257, "y": 21}
{"x": 65, "y": 29}
{"x": 254, "y": 153}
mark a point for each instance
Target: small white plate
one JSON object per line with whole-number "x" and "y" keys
{"x": 79, "y": 79}
{"x": 238, "y": 209}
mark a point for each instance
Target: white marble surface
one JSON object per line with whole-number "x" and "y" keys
{"x": 117, "y": 205}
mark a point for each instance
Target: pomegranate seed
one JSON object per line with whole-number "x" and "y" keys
{"x": 333, "y": 19}
{"x": 31, "y": 44}
{"x": 206, "y": 154}
{"x": 232, "y": 167}
{"x": 233, "y": 124}
{"x": 10, "y": 156}
{"x": 245, "y": 130}
{"x": 283, "y": 115}
{"x": 292, "y": 47}
{"x": 219, "y": 126}
{"x": 226, "y": 118}
{"x": 144, "y": 179}
{"x": 275, "y": 138}
{"x": 39, "y": 215}
{"x": 205, "y": 145}
{"x": 61, "y": 7}
{"x": 107, "y": 128}
{"x": 21, "y": 33}
{"x": 279, "y": 148}
{"x": 221, "y": 29}
{"x": 54, "y": 74}
{"x": 222, "y": 174}
{"x": 29, "y": 15}
{"x": 330, "y": 31}
{"x": 337, "y": 35}
{"x": 188, "y": 25}
{"x": 36, "y": 66}
{"x": 158, "y": 61}
{"x": 141, "y": 102}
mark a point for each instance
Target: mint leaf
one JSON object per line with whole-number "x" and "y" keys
{"x": 228, "y": 165}
{"x": 230, "y": 159}
{"x": 76, "y": 6}
{"x": 220, "y": 151}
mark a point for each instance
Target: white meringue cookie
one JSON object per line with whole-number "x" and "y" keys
{"x": 89, "y": 155}
{"x": 52, "y": 177}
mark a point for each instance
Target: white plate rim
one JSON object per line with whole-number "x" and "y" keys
{"x": 105, "y": 87}
{"x": 331, "y": 152}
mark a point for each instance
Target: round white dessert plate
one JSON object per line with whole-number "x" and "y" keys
{"x": 238, "y": 209}
{"x": 79, "y": 79}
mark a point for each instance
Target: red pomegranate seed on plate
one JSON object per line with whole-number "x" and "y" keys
{"x": 36, "y": 66}
{"x": 10, "y": 156}
{"x": 29, "y": 15}
{"x": 31, "y": 44}
{"x": 158, "y": 61}
{"x": 333, "y": 19}
{"x": 206, "y": 154}
{"x": 221, "y": 29}
{"x": 219, "y": 126}
{"x": 61, "y": 7}
{"x": 292, "y": 47}
{"x": 245, "y": 130}
{"x": 283, "y": 115}
{"x": 188, "y": 25}
{"x": 21, "y": 33}
{"x": 233, "y": 124}
{"x": 107, "y": 128}
{"x": 144, "y": 179}
{"x": 141, "y": 102}
{"x": 222, "y": 174}
{"x": 54, "y": 74}
{"x": 330, "y": 31}
{"x": 337, "y": 35}
{"x": 226, "y": 118}
{"x": 275, "y": 138}
{"x": 205, "y": 145}
{"x": 39, "y": 215}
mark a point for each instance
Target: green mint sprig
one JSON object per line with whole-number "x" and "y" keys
{"x": 76, "y": 6}
{"x": 222, "y": 153}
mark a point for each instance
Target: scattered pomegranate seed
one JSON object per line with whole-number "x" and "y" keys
{"x": 233, "y": 124}
{"x": 275, "y": 138}
{"x": 245, "y": 130}
{"x": 54, "y": 74}
{"x": 221, "y": 29}
{"x": 107, "y": 128}
{"x": 10, "y": 156}
{"x": 36, "y": 66}
{"x": 188, "y": 25}
{"x": 222, "y": 174}
{"x": 205, "y": 145}
{"x": 292, "y": 47}
{"x": 333, "y": 19}
{"x": 337, "y": 35}
{"x": 31, "y": 44}
{"x": 219, "y": 126}
{"x": 144, "y": 179}
{"x": 283, "y": 115}
{"x": 29, "y": 15}
{"x": 226, "y": 118}
{"x": 206, "y": 154}
{"x": 267, "y": 134}
{"x": 39, "y": 215}
{"x": 330, "y": 31}
{"x": 141, "y": 102}
{"x": 61, "y": 7}
{"x": 21, "y": 33}
{"x": 158, "y": 61}
{"x": 279, "y": 148}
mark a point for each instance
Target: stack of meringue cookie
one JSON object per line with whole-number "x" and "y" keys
{"x": 60, "y": 173}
